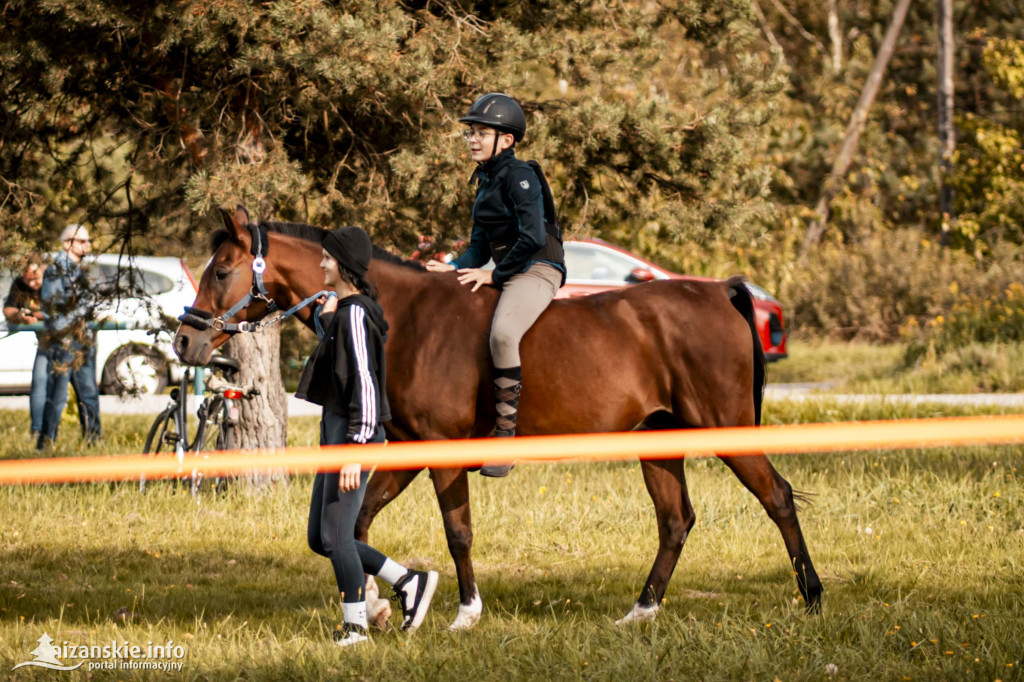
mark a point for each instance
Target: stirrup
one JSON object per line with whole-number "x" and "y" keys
{"x": 497, "y": 470}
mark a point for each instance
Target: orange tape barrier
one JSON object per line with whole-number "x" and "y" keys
{"x": 911, "y": 433}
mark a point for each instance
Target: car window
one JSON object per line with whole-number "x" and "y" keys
{"x": 150, "y": 283}
{"x": 582, "y": 262}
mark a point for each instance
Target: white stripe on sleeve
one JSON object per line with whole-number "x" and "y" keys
{"x": 368, "y": 396}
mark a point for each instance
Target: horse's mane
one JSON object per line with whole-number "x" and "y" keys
{"x": 311, "y": 233}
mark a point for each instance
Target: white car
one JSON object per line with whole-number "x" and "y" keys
{"x": 128, "y": 360}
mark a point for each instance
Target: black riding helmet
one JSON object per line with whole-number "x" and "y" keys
{"x": 499, "y": 111}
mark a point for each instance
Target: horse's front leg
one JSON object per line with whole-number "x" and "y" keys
{"x": 452, "y": 488}
{"x": 381, "y": 489}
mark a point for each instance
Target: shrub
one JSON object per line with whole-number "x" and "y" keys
{"x": 880, "y": 287}
{"x": 993, "y": 320}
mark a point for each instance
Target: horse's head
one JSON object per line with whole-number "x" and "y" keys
{"x": 237, "y": 287}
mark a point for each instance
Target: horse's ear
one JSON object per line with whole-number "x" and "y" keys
{"x": 241, "y": 216}
{"x": 236, "y": 223}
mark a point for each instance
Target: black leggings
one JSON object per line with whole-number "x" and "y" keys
{"x": 332, "y": 519}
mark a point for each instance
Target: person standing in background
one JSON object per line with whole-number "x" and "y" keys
{"x": 23, "y": 305}
{"x": 70, "y": 344}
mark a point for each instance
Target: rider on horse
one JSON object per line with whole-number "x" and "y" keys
{"x": 513, "y": 224}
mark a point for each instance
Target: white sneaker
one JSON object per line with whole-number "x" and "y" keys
{"x": 350, "y": 634}
{"x": 414, "y": 592}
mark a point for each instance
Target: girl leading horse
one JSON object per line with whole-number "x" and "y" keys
{"x": 667, "y": 354}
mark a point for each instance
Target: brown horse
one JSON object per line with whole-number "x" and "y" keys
{"x": 667, "y": 354}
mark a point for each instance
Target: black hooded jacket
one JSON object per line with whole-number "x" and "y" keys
{"x": 346, "y": 372}
{"x": 509, "y": 220}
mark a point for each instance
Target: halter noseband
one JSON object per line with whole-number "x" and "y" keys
{"x": 203, "y": 319}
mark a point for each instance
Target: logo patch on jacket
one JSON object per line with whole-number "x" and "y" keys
{"x": 525, "y": 184}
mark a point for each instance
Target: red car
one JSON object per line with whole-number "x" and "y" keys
{"x": 594, "y": 265}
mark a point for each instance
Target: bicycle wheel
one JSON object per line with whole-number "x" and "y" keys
{"x": 208, "y": 433}
{"x": 226, "y": 438}
{"x": 225, "y": 441}
{"x": 215, "y": 432}
{"x": 158, "y": 438}
{"x": 162, "y": 437}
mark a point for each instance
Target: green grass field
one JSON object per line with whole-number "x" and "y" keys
{"x": 920, "y": 553}
{"x": 880, "y": 369}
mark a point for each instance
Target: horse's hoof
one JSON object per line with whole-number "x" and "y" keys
{"x": 469, "y": 614}
{"x": 639, "y": 614}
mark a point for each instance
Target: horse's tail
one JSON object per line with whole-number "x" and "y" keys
{"x": 743, "y": 302}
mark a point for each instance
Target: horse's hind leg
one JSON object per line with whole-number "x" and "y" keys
{"x": 382, "y": 488}
{"x": 666, "y": 483}
{"x": 452, "y": 488}
{"x": 776, "y": 496}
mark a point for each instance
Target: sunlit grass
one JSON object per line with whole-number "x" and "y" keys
{"x": 881, "y": 369}
{"x": 920, "y": 552}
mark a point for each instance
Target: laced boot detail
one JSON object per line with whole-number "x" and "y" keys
{"x": 508, "y": 384}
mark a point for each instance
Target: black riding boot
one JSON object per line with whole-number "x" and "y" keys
{"x": 507, "y": 385}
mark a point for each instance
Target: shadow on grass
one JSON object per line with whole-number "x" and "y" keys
{"x": 94, "y": 584}
{"x": 264, "y": 584}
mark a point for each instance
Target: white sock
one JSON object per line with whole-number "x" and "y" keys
{"x": 354, "y": 614}
{"x": 392, "y": 571}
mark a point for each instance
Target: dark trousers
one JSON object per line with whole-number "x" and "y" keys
{"x": 37, "y": 394}
{"x": 332, "y": 519}
{"x": 60, "y": 371}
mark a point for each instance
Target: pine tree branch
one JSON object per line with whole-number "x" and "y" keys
{"x": 799, "y": 27}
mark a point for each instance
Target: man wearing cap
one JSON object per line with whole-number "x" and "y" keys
{"x": 70, "y": 346}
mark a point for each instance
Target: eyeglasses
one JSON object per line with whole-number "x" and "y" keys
{"x": 82, "y": 241}
{"x": 470, "y": 134}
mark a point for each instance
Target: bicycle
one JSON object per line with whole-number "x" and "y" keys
{"x": 217, "y": 419}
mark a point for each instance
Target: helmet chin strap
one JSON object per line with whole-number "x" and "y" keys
{"x": 494, "y": 148}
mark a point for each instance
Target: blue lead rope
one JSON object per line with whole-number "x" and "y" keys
{"x": 254, "y": 326}
{"x": 243, "y": 326}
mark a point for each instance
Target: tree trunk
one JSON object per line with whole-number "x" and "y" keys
{"x": 263, "y": 420}
{"x": 835, "y": 36}
{"x": 853, "y": 130}
{"x": 947, "y": 138}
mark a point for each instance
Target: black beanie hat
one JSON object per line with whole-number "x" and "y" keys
{"x": 351, "y": 247}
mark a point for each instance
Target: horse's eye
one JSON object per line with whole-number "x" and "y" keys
{"x": 221, "y": 273}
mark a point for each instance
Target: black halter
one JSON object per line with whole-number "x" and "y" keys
{"x": 203, "y": 319}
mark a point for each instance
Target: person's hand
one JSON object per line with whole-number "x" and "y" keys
{"x": 329, "y": 304}
{"x": 476, "y": 277}
{"x": 437, "y": 266}
{"x": 348, "y": 478}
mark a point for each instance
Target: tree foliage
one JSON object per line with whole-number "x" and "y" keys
{"x": 335, "y": 113}
{"x": 698, "y": 133}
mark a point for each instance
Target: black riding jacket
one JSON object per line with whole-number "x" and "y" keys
{"x": 508, "y": 221}
{"x": 346, "y": 372}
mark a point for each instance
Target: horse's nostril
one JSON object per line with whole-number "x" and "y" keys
{"x": 180, "y": 344}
